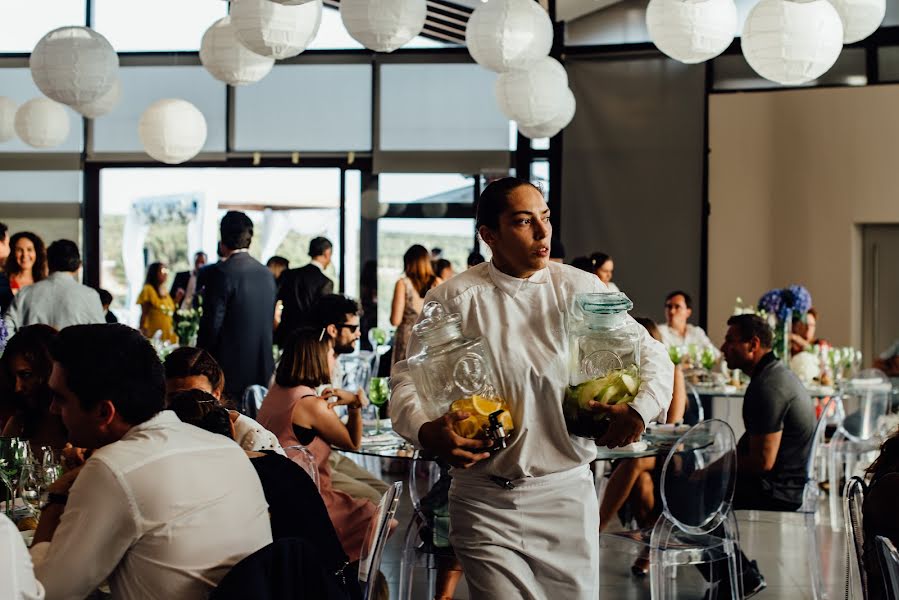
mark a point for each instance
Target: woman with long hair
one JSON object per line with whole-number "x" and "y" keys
{"x": 27, "y": 260}
{"x": 156, "y": 306}
{"x": 300, "y": 417}
{"x": 409, "y": 296}
{"x": 26, "y": 366}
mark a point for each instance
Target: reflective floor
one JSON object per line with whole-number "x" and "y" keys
{"x": 778, "y": 545}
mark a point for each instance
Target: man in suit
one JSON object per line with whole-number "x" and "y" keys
{"x": 184, "y": 287}
{"x": 59, "y": 300}
{"x": 238, "y": 309}
{"x": 300, "y": 288}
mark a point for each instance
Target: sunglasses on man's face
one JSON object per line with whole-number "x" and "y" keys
{"x": 352, "y": 328}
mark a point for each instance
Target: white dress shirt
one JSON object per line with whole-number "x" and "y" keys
{"x": 163, "y": 513}
{"x": 17, "y": 580}
{"x": 523, "y": 322}
{"x": 695, "y": 335}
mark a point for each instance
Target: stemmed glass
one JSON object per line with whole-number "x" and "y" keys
{"x": 50, "y": 471}
{"x": 378, "y": 394}
{"x": 30, "y": 486}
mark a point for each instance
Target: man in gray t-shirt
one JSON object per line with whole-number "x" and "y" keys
{"x": 779, "y": 417}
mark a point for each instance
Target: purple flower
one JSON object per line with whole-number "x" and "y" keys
{"x": 801, "y": 299}
{"x": 793, "y": 300}
{"x": 771, "y": 302}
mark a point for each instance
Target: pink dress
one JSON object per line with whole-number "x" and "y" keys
{"x": 351, "y": 516}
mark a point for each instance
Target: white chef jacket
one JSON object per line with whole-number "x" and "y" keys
{"x": 163, "y": 513}
{"x": 523, "y": 323}
{"x": 17, "y": 580}
{"x": 695, "y": 335}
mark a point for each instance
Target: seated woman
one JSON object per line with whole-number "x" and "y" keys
{"x": 189, "y": 368}
{"x": 879, "y": 512}
{"x": 300, "y": 417}
{"x": 26, "y": 364}
{"x": 631, "y": 481}
{"x": 294, "y": 504}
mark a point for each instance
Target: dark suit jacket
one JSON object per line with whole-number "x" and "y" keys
{"x": 300, "y": 288}
{"x": 180, "y": 282}
{"x": 236, "y": 326}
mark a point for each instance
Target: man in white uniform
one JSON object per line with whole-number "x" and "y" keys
{"x": 524, "y": 522}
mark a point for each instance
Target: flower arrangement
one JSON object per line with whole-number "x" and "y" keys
{"x": 783, "y": 306}
{"x": 187, "y": 325}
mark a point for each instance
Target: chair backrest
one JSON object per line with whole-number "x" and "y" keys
{"x": 889, "y": 566}
{"x": 699, "y": 476}
{"x": 376, "y": 538}
{"x": 694, "y": 413}
{"x": 302, "y": 456}
{"x": 852, "y": 509}
{"x": 872, "y": 390}
{"x": 356, "y": 371}
{"x": 252, "y": 400}
{"x": 810, "y": 494}
{"x": 417, "y": 484}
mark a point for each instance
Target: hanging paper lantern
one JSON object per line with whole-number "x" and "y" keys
{"x": 554, "y": 125}
{"x": 860, "y": 18}
{"x": 8, "y": 109}
{"x": 371, "y": 208}
{"x": 74, "y": 65}
{"x": 383, "y": 25}
{"x": 508, "y": 34}
{"x": 270, "y": 29}
{"x": 172, "y": 130}
{"x": 42, "y": 123}
{"x": 104, "y": 104}
{"x": 291, "y": 2}
{"x": 691, "y": 31}
{"x": 228, "y": 60}
{"x": 792, "y": 42}
{"x": 534, "y": 95}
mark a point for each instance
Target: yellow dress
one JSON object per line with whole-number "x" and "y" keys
{"x": 158, "y": 314}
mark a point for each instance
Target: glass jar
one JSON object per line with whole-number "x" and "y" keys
{"x": 604, "y": 359}
{"x": 452, "y": 372}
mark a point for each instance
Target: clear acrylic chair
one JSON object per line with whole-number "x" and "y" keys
{"x": 856, "y": 577}
{"x": 889, "y": 566}
{"x": 252, "y": 400}
{"x": 303, "y": 456}
{"x": 697, "y": 525}
{"x": 694, "y": 407}
{"x": 415, "y": 551}
{"x": 872, "y": 391}
{"x": 376, "y": 539}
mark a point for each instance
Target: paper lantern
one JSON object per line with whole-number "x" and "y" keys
{"x": 792, "y": 42}
{"x": 860, "y": 18}
{"x": 508, "y": 34}
{"x": 8, "y": 108}
{"x": 534, "y": 95}
{"x": 554, "y": 125}
{"x": 383, "y": 25}
{"x": 371, "y": 208}
{"x": 228, "y": 60}
{"x": 74, "y": 65}
{"x": 270, "y": 29}
{"x": 42, "y": 123}
{"x": 172, "y": 130}
{"x": 102, "y": 105}
{"x": 291, "y": 2}
{"x": 691, "y": 31}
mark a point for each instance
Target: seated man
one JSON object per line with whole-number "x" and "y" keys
{"x": 153, "y": 510}
{"x": 676, "y": 331}
{"x": 780, "y": 427}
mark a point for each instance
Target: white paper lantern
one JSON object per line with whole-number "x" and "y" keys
{"x": 508, "y": 34}
{"x": 554, "y": 125}
{"x": 74, "y": 65}
{"x": 172, "y": 130}
{"x": 228, "y": 60}
{"x": 42, "y": 123}
{"x": 792, "y": 42}
{"x": 692, "y": 31}
{"x": 8, "y": 109}
{"x": 270, "y": 29}
{"x": 371, "y": 208}
{"x": 534, "y": 95}
{"x": 860, "y": 18}
{"x": 102, "y": 105}
{"x": 383, "y": 25}
{"x": 291, "y": 2}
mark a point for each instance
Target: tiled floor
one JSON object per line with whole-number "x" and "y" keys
{"x": 778, "y": 545}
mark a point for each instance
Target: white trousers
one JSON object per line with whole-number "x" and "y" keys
{"x": 538, "y": 541}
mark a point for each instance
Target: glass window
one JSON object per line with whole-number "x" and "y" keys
{"x": 288, "y": 207}
{"x": 306, "y": 107}
{"x": 30, "y": 187}
{"x": 440, "y": 107}
{"x": 395, "y": 236}
{"x": 353, "y": 220}
{"x": 25, "y": 22}
{"x": 426, "y": 188}
{"x": 141, "y": 86}
{"x": 160, "y": 25}
{"x": 888, "y": 63}
{"x": 732, "y": 72}
{"x": 17, "y": 84}
{"x": 540, "y": 176}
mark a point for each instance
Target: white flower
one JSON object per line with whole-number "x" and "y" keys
{"x": 806, "y": 366}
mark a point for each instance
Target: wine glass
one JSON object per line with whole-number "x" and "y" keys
{"x": 378, "y": 394}
{"x": 30, "y": 486}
